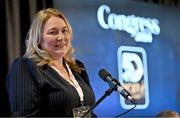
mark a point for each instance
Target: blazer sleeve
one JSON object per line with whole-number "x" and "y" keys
{"x": 22, "y": 89}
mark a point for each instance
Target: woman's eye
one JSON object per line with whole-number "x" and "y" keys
{"x": 65, "y": 31}
{"x": 53, "y": 32}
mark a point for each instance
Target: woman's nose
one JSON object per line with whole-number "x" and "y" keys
{"x": 60, "y": 37}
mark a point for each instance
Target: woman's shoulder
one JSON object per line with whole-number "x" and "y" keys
{"x": 79, "y": 63}
{"x": 21, "y": 67}
{"x": 21, "y": 61}
{"x": 83, "y": 73}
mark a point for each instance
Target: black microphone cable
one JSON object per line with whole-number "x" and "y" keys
{"x": 132, "y": 101}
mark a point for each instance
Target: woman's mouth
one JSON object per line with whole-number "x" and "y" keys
{"x": 60, "y": 45}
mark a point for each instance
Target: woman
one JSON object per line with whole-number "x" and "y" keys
{"x": 47, "y": 80}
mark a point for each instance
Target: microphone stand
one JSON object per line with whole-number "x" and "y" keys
{"x": 107, "y": 93}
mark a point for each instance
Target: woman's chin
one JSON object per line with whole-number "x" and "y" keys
{"x": 59, "y": 54}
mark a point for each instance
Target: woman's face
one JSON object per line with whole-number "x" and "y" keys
{"x": 55, "y": 38}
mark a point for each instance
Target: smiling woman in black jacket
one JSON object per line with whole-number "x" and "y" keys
{"x": 47, "y": 80}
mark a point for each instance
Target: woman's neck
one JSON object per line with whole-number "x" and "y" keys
{"x": 58, "y": 63}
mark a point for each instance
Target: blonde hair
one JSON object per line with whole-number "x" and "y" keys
{"x": 34, "y": 37}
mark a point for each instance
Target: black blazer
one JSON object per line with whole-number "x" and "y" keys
{"x": 41, "y": 91}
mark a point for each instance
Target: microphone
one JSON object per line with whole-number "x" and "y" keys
{"x": 113, "y": 83}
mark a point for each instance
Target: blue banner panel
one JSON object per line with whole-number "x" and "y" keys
{"x": 101, "y": 27}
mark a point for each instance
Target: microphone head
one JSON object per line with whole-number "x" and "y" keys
{"x": 103, "y": 74}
